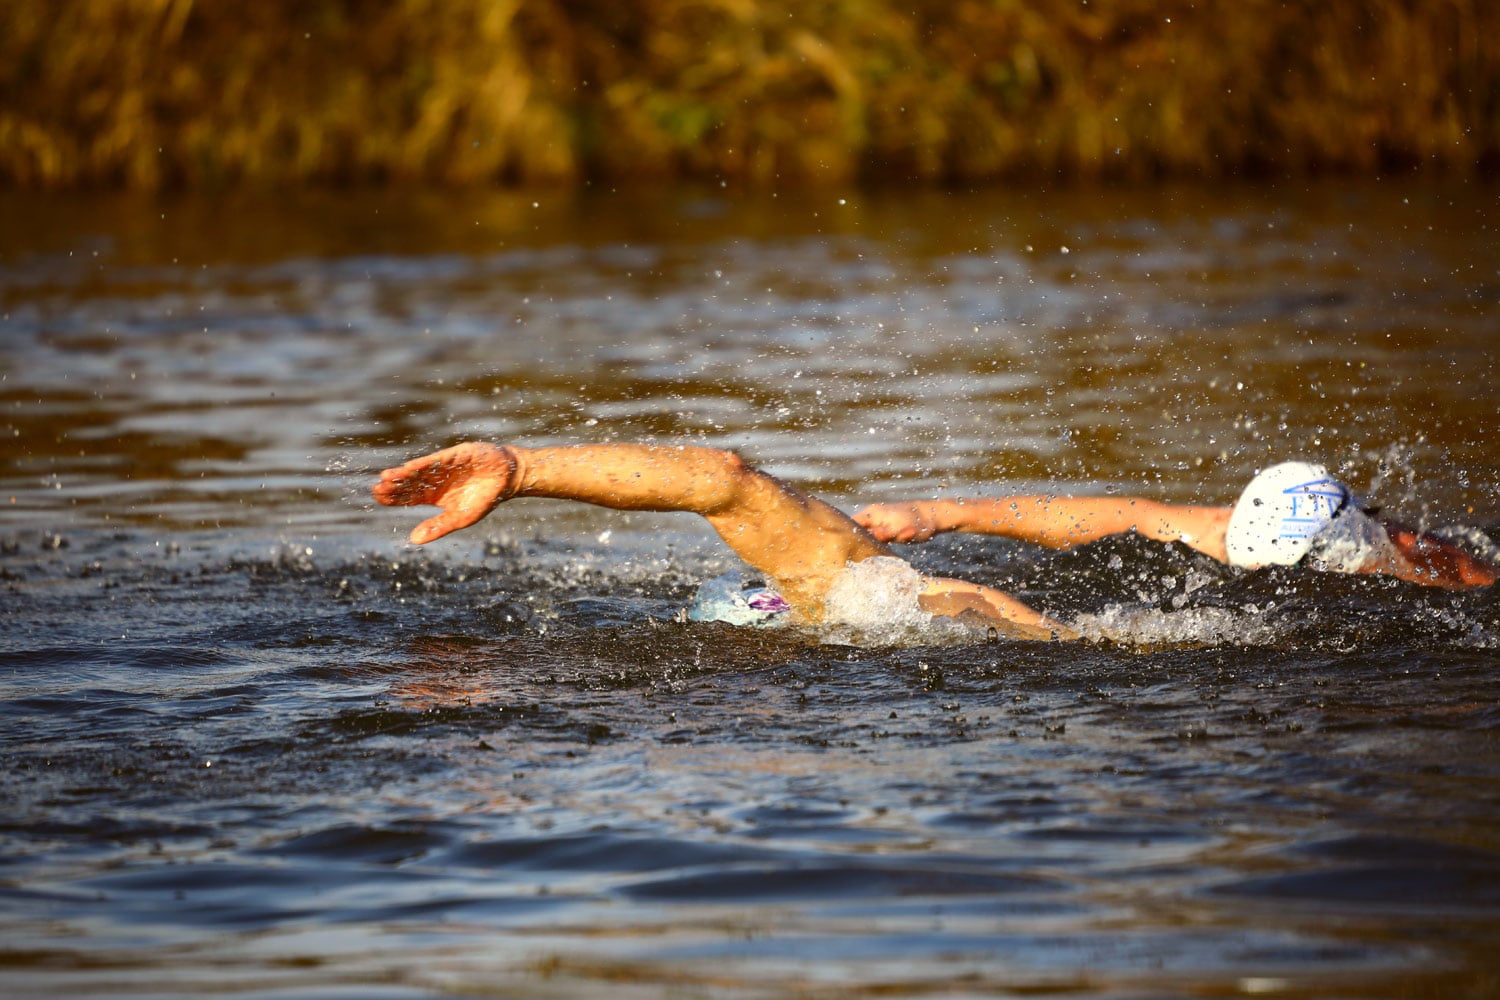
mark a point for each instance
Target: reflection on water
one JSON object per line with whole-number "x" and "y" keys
{"x": 250, "y": 735}
{"x": 1171, "y": 340}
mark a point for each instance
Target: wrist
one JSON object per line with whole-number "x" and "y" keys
{"x": 943, "y": 516}
{"x": 511, "y": 468}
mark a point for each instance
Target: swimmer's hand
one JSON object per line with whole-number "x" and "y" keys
{"x": 898, "y": 522}
{"x": 468, "y": 481}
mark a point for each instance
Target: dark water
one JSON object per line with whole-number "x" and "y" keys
{"x": 255, "y": 746}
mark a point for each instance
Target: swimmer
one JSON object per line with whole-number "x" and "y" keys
{"x": 801, "y": 543}
{"x": 1290, "y": 514}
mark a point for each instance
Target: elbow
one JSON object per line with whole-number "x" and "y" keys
{"x": 730, "y": 468}
{"x": 729, "y": 480}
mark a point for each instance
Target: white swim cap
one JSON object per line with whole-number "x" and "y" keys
{"x": 1280, "y": 512}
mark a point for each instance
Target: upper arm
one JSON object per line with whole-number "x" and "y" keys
{"x": 798, "y": 540}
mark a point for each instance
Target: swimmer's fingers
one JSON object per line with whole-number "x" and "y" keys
{"x": 877, "y": 520}
{"x": 890, "y": 522}
{"x": 467, "y": 481}
{"x": 874, "y": 519}
{"x": 450, "y": 520}
{"x": 409, "y": 485}
{"x": 432, "y": 478}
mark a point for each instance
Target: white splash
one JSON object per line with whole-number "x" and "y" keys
{"x": 874, "y": 593}
{"x": 874, "y": 603}
{"x": 1154, "y": 627}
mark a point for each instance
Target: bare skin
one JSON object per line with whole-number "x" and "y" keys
{"x": 800, "y": 542}
{"x": 1432, "y": 561}
{"x": 1053, "y": 522}
{"x": 1063, "y": 522}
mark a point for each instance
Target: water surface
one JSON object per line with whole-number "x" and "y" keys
{"x": 256, "y": 746}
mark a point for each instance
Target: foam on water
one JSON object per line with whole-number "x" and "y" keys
{"x": 874, "y": 603}
{"x": 1156, "y": 627}
{"x": 876, "y": 592}
{"x": 1350, "y": 542}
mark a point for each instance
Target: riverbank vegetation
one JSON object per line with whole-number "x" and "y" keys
{"x": 154, "y": 93}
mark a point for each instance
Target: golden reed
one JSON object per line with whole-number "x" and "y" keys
{"x": 154, "y": 93}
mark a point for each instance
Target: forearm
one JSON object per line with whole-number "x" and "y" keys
{"x": 1431, "y": 561}
{"x": 1053, "y": 522}
{"x": 632, "y": 476}
{"x": 1063, "y": 522}
{"x": 952, "y": 598}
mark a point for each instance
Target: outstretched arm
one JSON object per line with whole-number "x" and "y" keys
{"x": 772, "y": 526}
{"x": 1052, "y": 521}
{"x": 1062, "y": 522}
{"x": 1432, "y": 561}
{"x": 799, "y": 541}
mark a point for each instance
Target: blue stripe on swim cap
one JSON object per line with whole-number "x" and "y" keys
{"x": 1314, "y": 504}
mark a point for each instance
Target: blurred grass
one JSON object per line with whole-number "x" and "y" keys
{"x": 153, "y": 93}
